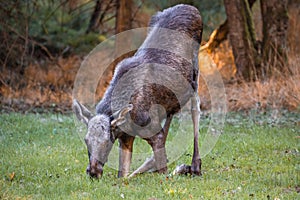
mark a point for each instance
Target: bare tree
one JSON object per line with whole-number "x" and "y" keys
{"x": 123, "y": 23}
{"x": 123, "y": 17}
{"x": 104, "y": 11}
{"x": 242, "y": 37}
{"x": 95, "y": 18}
{"x": 220, "y": 34}
{"x": 255, "y": 59}
{"x": 275, "y": 26}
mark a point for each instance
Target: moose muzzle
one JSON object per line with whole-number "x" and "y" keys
{"x": 95, "y": 168}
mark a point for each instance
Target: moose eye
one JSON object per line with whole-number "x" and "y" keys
{"x": 102, "y": 128}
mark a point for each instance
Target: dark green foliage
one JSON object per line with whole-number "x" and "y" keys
{"x": 43, "y": 29}
{"x": 212, "y": 11}
{"x": 40, "y": 29}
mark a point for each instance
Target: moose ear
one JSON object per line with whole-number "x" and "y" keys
{"x": 81, "y": 112}
{"x": 121, "y": 116}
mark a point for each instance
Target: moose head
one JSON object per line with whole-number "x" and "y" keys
{"x": 100, "y": 135}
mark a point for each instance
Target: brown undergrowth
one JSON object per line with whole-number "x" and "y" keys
{"x": 40, "y": 86}
{"x": 51, "y": 87}
{"x": 281, "y": 91}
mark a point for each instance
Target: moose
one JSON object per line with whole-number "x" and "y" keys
{"x": 146, "y": 91}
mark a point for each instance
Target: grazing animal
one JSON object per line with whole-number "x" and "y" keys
{"x": 146, "y": 90}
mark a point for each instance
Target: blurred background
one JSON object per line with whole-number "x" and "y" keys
{"x": 43, "y": 43}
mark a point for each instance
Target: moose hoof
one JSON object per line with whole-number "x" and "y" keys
{"x": 182, "y": 169}
{"x": 163, "y": 170}
{"x": 196, "y": 172}
{"x": 196, "y": 168}
{"x": 185, "y": 170}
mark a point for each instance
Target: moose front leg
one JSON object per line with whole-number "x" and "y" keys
{"x": 196, "y": 160}
{"x": 195, "y": 168}
{"x": 125, "y": 151}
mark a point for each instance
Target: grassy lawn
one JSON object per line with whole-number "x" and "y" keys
{"x": 43, "y": 157}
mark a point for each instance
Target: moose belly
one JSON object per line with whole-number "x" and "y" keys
{"x": 155, "y": 102}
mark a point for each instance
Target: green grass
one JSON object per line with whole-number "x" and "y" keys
{"x": 43, "y": 157}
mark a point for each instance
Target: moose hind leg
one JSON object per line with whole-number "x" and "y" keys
{"x": 196, "y": 160}
{"x": 149, "y": 164}
{"x": 157, "y": 143}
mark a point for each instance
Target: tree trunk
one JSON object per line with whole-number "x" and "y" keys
{"x": 123, "y": 23}
{"x": 95, "y": 17}
{"x": 123, "y": 17}
{"x": 242, "y": 37}
{"x": 220, "y": 34}
{"x": 275, "y": 26}
{"x": 216, "y": 38}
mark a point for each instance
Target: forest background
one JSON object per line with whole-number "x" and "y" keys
{"x": 43, "y": 43}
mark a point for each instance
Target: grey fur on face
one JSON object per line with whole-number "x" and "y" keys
{"x": 98, "y": 139}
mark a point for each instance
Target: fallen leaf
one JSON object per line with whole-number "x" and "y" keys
{"x": 12, "y": 176}
{"x": 170, "y": 191}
